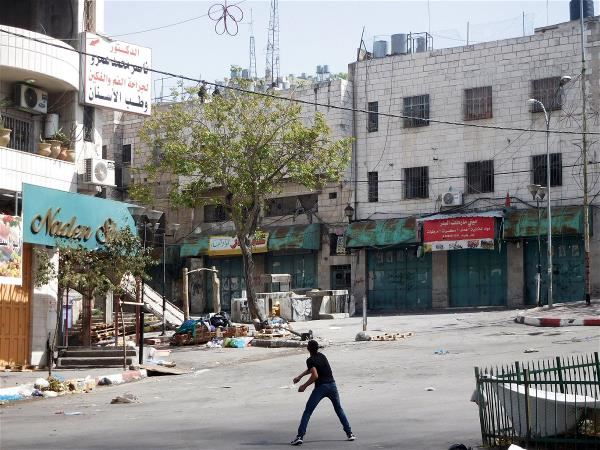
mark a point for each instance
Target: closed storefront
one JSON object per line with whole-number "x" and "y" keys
{"x": 301, "y": 266}
{"x": 477, "y": 277}
{"x": 231, "y": 275}
{"x": 398, "y": 280}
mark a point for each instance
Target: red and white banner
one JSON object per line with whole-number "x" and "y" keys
{"x": 459, "y": 233}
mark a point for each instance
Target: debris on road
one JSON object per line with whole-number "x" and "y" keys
{"x": 391, "y": 336}
{"x": 430, "y": 389}
{"x": 124, "y": 399}
{"x": 530, "y": 350}
{"x": 441, "y": 351}
{"x": 362, "y": 336}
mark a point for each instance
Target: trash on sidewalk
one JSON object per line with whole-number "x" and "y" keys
{"x": 124, "y": 399}
{"x": 530, "y": 350}
{"x": 49, "y": 394}
{"x": 441, "y": 351}
{"x": 104, "y": 381}
{"x": 204, "y": 330}
{"x": 41, "y": 383}
{"x": 73, "y": 413}
{"x": 430, "y": 389}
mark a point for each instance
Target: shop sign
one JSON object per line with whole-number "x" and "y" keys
{"x": 228, "y": 245}
{"x": 458, "y": 233}
{"x": 11, "y": 250}
{"x": 116, "y": 75}
{"x": 50, "y": 215}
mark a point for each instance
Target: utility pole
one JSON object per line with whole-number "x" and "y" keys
{"x": 586, "y": 206}
{"x": 252, "y": 68}
{"x": 272, "y": 66}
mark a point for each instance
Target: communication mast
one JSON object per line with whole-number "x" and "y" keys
{"x": 272, "y": 66}
{"x": 252, "y": 68}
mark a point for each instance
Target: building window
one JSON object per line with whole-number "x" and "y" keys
{"x": 294, "y": 205}
{"x": 332, "y": 195}
{"x": 546, "y": 90}
{"x": 373, "y": 186}
{"x": 480, "y": 177}
{"x": 20, "y": 137}
{"x": 373, "y": 124}
{"x": 215, "y": 213}
{"x": 416, "y": 184}
{"x": 88, "y": 123}
{"x": 416, "y": 109}
{"x": 478, "y": 103}
{"x": 105, "y": 152}
{"x": 539, "y": 169}
{"x": 126, "y": 154}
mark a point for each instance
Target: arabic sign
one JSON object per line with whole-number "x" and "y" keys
{"x": 50, "y": 214}
{"x": 459, "y": 233}
{"x": 227, "y": 245}
{"x": 11, "y": 249}
{"x": 116, "y": 75}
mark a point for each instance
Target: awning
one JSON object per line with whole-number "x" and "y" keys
{"x": 295, "y": 237}
{"x": 194, "y": 247}
{"x": 566, "y": 220}
{"x": 376, "y": 233}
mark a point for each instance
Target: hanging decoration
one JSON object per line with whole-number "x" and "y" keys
{"x": 226, "y": 18}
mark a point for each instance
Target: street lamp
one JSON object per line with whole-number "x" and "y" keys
{"x": 538, "y": 193}
{"x": 174, "y": 227}
{"x": 563, "y": 80}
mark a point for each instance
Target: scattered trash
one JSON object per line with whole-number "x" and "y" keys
{"x": 391, "y": 336}
{"x": 198, "y": 372}
{"x": 10, "y": 397}
{"x": 362, "y": 336}
{"x": 166, "y": 363}
{"x": 234, "y": 343}
{"x": 124, "y": 399}
{"x": 335, "y": 328}
{"x": 430, "y": 388}
{"x": 74, "y": 413}
{"x": 104, "y": 381}
{"x": 41, "y": 383}
{"x": 226, "y": 387}
{"x": 49, "y": 394}
{"x": 37, "y": 393}
{"x": 441, "y": 351}
{"x": 530, "y": 350}
{"x": 215, "y": 343}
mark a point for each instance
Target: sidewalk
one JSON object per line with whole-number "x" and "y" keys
{"x": 562, "y": 315}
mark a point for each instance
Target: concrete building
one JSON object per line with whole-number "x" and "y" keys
{"x": 453, "y": 157}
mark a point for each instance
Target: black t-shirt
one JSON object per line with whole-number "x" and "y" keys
{"x": 319, "y": 362}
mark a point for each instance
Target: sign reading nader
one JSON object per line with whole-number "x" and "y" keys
{"x": 50, "y": 214}
{"x": 228, "y": 245}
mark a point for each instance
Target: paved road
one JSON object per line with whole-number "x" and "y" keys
{"x": 246, "y": 400}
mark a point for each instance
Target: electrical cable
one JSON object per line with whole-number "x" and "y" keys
{"x": 309, "y": 103}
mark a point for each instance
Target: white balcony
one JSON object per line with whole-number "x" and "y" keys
{"x": 54, "y": 69}
{"x": 18, "y": 167}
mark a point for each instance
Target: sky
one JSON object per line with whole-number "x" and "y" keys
{"x": 311, "y": 32}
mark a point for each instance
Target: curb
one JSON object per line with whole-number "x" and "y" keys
{"x": 557, "y": 321}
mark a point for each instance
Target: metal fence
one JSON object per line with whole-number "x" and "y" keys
{"x": 553, "y": 404}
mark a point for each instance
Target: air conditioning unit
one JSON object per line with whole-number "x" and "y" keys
{"x": 99, "y": 171}
{"x": 31, "y": 99}
{"x": 452, "y": 199}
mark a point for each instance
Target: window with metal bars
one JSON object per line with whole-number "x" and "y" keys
{"x": 88, "y": 123}
{"x": 478, "y": 103}
{"x": 126, "y": 154}
{"x": 297, "y": 204}
{"x": 539, "y": 169}
{"x": 215, "y": 213}
{"x": 480, "y": 177}
{"x": 416, "y": 182}
{"x": 373, "y": 120}
{"x": 416, "y": 109}
{"x": 373, "y": 186}
{"x": 547, "y": 91}
{"x": 20, "y": 137}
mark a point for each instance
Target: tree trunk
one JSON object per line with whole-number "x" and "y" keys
{"x": 246, "y": 247}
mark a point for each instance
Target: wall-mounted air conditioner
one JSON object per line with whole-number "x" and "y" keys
{"x": 31, "y": 99}
{"x": 452, "y": 199}
{"x": 99, "y": 171}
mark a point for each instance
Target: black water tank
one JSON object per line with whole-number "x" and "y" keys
{"x": 575, "y": 8}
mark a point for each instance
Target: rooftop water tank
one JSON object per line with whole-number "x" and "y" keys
{"x": 421, "y": 44}
{"x": 380, "y": 49}
{"x": 575, "y": 9}
{"x": 245, "y": 74}
{"x": 326, "y": 68}
{"x": 399, "y": 46}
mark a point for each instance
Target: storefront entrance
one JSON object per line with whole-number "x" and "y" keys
{"x": 231, "y": 275}
{"x": 301, "y": 266}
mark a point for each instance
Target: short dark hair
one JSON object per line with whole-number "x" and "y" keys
{"x": 312, "y": 346}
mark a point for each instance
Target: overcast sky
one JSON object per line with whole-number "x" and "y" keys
{"x": 313, "y": 32}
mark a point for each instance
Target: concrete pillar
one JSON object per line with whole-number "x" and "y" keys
{"x": 515, "y": 274}
{"x": 439, "y": 282}
{"x": 197, "y": 287}
{"x": 360, "y": 277}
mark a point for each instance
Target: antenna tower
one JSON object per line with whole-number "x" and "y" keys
{"x": 272, "y": 66}
{"x": 252, "y": 69}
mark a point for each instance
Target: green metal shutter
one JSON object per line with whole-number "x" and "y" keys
{"x": 231, "y": 275}
{"x": 302, "y": 267}
{"x": 477, "y": 277}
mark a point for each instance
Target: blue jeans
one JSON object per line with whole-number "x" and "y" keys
{"x": 330, "y": 391}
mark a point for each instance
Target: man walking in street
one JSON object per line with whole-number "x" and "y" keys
{"x": 320, "y": 374}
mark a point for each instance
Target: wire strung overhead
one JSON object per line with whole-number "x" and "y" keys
{"x": 226, "y": 18}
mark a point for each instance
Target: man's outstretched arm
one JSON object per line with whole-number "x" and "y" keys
{"x": 302, "y": 375}
{"x": 313, "y": 377}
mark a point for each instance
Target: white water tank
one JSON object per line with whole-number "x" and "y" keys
{"x": 399, "y": 44}
{"x": 421, "y": 44}
{"x": 380, "y": 49}
{"x": 50, "y": 125}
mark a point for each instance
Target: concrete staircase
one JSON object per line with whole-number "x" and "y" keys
{"x": 85, "y": 357}
{"x": 154, "y": 303}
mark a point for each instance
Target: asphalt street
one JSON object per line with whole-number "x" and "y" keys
{"x": 397, "y": 395}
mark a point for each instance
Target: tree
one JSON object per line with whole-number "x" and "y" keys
{"x": 95, "y": 272}
{"x": 236, "y": 150}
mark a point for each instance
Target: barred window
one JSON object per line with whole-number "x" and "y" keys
{"x": 88, "y": 124}
{"x": 297, "y": 204}
{"x": 417, "y": 109}
{"x": 478, "y": 103}
{"x": 126, "y": 154}
{"x": 416, "y": 182}
{"x": 546, "y": 90}
{"x": 21, "y": 135}
{"x": 480, "y": 177}
{"x": 373, "y": 124}
{"x": 373, "y": 186}
{"x": 215, "y": 213}
{"x": 539, "y": 169}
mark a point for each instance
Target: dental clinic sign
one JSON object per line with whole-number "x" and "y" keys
{"x": 116, "y": 75}
{"x": 50, "y": 215}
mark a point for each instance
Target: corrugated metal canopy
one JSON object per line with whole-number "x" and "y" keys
{"x": 566, "y": 220}
{"x": 376, "y": 233}
{"x": 194, "y": 247}
{"x": 295, "y": 237}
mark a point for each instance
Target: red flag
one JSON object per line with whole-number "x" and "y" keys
{"x": 507, "y": 200}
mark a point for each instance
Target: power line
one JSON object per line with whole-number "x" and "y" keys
{"x": 310, "y": 103}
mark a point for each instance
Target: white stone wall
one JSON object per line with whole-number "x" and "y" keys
{"x": 508, "y": 66}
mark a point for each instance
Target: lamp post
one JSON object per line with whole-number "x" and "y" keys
{"x": 174, "y": 227}
{"x": 563, "y": 80}
{"x": 538, "y": 193}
